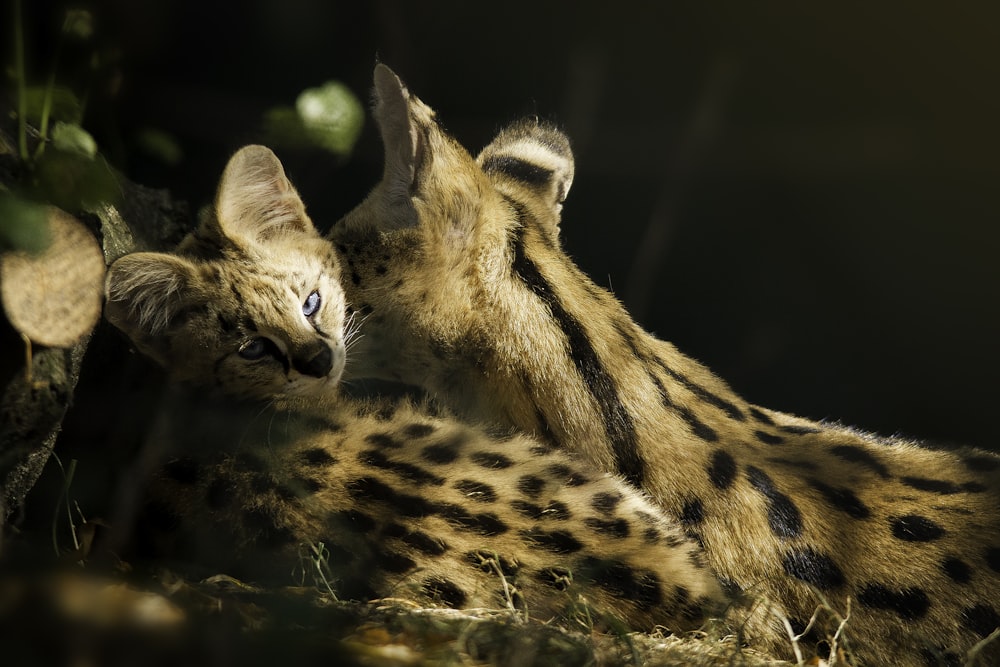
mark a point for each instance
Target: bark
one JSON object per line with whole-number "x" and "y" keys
{"x": 36, "y": 398}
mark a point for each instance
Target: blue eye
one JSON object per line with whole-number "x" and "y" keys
{"x": 254, "y": 349}
{"x": 311, "y": 305}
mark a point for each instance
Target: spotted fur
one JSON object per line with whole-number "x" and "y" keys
{"x": 457, "y": 263}
{"x": 407, "y": 505}
{"x": 397, "y": 502}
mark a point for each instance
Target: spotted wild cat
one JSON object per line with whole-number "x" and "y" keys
{"x": 406, "y": 503}
{"x": 456, "y": 264}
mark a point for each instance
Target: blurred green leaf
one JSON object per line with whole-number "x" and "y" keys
{"x": 283, "y": 127}
{"x": 24, "y": 225}
{"x": 66, "y": 106}
{"x": 160, "y": 145}
{"x": 79, "y": 23}
{"x": 329, "y": 117}
{"x": 71, "y": 138}
{"x": 73, "y": 181}
{"x": 333, "y": 115}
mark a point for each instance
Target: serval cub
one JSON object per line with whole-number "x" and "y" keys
{"x": 456, "y": 263}
{"x": 405, "y": 503}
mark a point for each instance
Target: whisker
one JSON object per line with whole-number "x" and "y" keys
{"x": 348, "y": 344}
{"x": 270, "y": 424}
{"x": 246, "y": 431}
{"x": 352, "y": 329}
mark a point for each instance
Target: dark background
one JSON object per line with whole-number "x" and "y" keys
{"x": 801, "y": 195}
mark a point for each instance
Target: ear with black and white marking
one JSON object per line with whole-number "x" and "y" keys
{"x": 534, "y": 157}
{"x": 255, "y": 201}
{"x": 146, "y": 292}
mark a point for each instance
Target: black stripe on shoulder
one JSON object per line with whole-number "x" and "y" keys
{"x": 633, "y": 347}
{"x": 698, "y": 427}
{"x": 799, "y": 430}
{"x": 761, "y": 416}
{"x": 861, "y": 456}
{"x": 649, "y": 357}
{"x": 524, "y": 171}
{"x": 728, "y": 407}
{"x": 618, "y": 422}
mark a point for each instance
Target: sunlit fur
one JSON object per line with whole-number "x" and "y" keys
{"x": 470, "y": 296}
{"x": 399, "y": 501}
{"x": 412, "y": 506}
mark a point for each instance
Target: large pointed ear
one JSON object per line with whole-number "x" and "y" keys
{"x": 146, "y": 292}
{"x": 403, "y": 143}
{"x": 256, "y": 201}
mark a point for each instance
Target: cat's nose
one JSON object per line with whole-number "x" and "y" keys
{"x": 318, "y": 365}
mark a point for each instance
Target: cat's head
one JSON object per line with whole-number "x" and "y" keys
{"x": 439, "y": 250}
{"x": 250, "y": 303}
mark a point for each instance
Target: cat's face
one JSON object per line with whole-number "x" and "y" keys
{"x": 251, "y": 303}
{"x": 280, "y": 326}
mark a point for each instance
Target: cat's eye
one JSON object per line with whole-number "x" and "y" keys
{"x": 254, "y": 349}
{"x": 311, "y": 305}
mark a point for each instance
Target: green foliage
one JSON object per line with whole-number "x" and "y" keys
{"x": 329, "y": 117}
{"x": 65, "y": 167}
{"x": 23, "y": 225}
{"x": 63, "y": 104}
{"x": 79, "y": 23}
{"x": 71, "y": 138}
{"x": 71, "y": 175}
{"x": 160, "y": 145}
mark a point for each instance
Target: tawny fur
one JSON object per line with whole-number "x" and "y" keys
{"x": 405, "y": 503}
{"x": 468, "y": 294}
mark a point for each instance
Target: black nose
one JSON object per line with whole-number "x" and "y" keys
{"x": 318, "y": 365}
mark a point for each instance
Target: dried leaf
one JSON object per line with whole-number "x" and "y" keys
{"x": 54, "y": 298}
